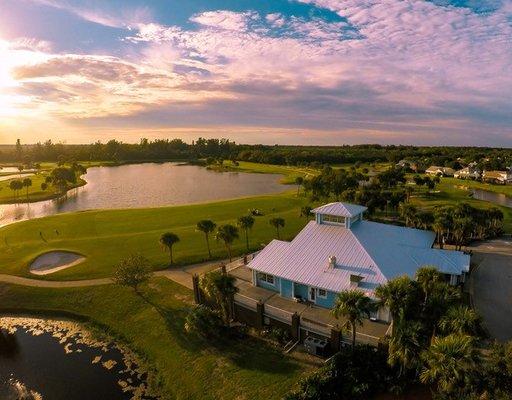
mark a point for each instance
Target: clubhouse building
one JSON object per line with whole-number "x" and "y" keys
{"x": 341, "y": 251}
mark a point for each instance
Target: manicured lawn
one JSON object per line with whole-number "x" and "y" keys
{"x": 106, "y": 236}
{"x": 504, "y": 189}
{"x": 152, "y": 325}
{"x": 450, "y": 195}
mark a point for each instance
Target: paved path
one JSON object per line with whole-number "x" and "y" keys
{"x": 183, "y": 276}
{"x": 491, "y": 286}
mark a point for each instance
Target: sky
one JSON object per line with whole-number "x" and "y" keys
{"x": 323, "y": 72}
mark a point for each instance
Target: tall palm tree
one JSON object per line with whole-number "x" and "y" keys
{"x": 408, "y": 213}
{"x": 428, "y": 277}
{"x": 221, "y": 288}
{"x": 396, "y": 295}
{"x": 354, "y": 305}
{"x": 168, "y": 240}
{"x": 207, "y": 227}
{"x": 246, "y": 223}
{"x": 277, "y": 223}
{"x": 299, "y": 181}
{"x": 27, "y": 182}
{"x": 461, "y": 320}
{"x": 405, "y": 346}
{"x": 450, "y": 364}
{"x": 227, "y": 233}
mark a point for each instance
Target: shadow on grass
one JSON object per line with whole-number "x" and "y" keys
{"x": 244, "y": 351}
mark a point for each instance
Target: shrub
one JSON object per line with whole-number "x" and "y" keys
{"x": 204, "y": 322}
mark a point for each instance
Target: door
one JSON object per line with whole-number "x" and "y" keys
{"x": 312, "y": 294}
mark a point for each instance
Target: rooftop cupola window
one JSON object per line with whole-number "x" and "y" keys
{"x": 340, "y": 214}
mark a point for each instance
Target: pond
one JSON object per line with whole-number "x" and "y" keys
{"x": 496, "y": 198}
{"x": 50, "y": 359}
{"x": 147, "y": 185}
{"x": 486, "y": 195}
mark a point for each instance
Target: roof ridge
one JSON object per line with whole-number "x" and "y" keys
{"x": 366, "y": 252}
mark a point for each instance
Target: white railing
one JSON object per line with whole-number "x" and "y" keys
{"x": 245, "y": 301}
{"x": 278, "y": 313}
{"x": 317, "y": 327}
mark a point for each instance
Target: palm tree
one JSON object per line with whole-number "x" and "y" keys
{"x": 27, "y": 182}
{"x": 450, "y": 364}
{"x": 299, "y": 181}
{"x": 206, "y": 226}
{"x": 246, "y": 223}
{"x": 405, "y": 346}
{"x": 355, "y": 306}
{"x": 396, "y": 295}
{"x": 227, "y": 233}
{"x": 277, "y": 223}
{"x": 305, "y": 211}
{"x": 221, "y": 288}
{"x": 168, "y": 240}
{"x": 461, "y": 320}
{"x": 428, "y": 277}
{"x": 408, "y": 213}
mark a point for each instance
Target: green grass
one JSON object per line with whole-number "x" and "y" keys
{"x": 106, "y": 236}
{"x": 152, "y": 325}
{"x": 451, "y": 195}
{"x": 503, "y": 189}
{"x": 289, "y": 172}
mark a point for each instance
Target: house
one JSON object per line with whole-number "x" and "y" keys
{"x": 340, "y": 251}
{"x": 407, "y": 164}
{"x": 498, "y": 176}
{"x": 440, "y": 171}
{"x": 470, "y": 172}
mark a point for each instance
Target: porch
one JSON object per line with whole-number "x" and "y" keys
{"x": 306, "y": 319}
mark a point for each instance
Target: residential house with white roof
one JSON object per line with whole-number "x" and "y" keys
{"x": 498, "y": 176}
{"x": 340, "y": 250}
{"x": 440, "y": 171}
{"x": 470, "y": 172}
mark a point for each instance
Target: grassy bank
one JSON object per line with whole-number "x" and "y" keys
{"x": 448, "y": 194}
{"x": 503, "y": 189}
{"x": 105, "y": 236}
{"x": 152, "y": 325}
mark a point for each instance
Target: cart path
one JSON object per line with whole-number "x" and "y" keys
{"x": 182, "y": 276}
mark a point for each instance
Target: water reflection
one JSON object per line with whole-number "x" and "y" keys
{"x": 496, "y": 198}
{"x": 147, "y": 185}
{"x": 39, "y": 359}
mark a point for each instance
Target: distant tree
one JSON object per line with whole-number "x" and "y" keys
{"x": 299, "y": 181}
{"x": 204, "y": 321}
{"x": 305, "y": 211}
{"x": 228, "y": 234}
{"x": 16, "y": 185}
{"x": 27, "y": 182}
{"x": 168, "y": 240}
{"x": 207, "y": 227}
{"x": 132, "y": 271}
{"x": 354, "y": 305}
{"x": 277, "y": 223}
{"x": 44, "y": 186}
{"x": 246, "y": 223}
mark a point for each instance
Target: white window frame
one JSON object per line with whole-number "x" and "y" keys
{"x": 266, "y": 278}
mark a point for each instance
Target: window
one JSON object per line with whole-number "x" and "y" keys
{"x": 333, "y": 218}
{"x": 266, "y": 278}
{"x": 322, "y": 293}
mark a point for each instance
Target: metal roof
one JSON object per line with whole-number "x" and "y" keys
{"x": 340, "y": 209}
{"x": 377, "y": 252}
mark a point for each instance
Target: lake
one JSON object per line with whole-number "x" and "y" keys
{"x": 147, "y": 185}
{"x": 496, "y": 198}
{"x": 58, "y": 360}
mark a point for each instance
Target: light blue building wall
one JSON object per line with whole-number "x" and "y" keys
{"x": 275, "y": 287}
{"x": 286, "y": 288}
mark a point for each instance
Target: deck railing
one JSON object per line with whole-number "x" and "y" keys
{"x": 278, "y": 313}
{"x": 246, "y": 301}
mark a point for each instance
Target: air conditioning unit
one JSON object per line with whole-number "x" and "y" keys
{"x": 315, "y": 346}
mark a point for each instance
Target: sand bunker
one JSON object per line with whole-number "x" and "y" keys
{"x": 54, "y": 261}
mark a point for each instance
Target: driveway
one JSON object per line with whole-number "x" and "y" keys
{"x": 491, "y": 286}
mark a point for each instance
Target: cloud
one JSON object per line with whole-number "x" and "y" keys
{"x": 387, "y": 68}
